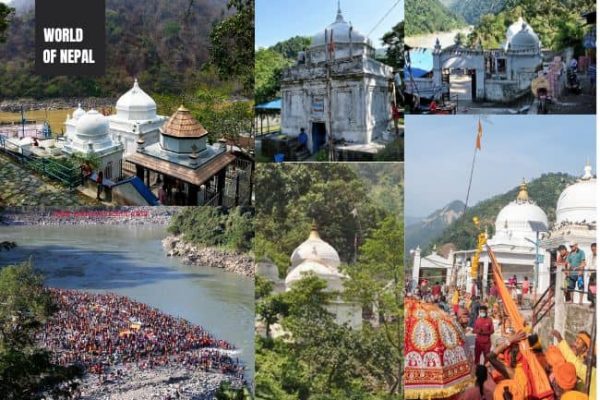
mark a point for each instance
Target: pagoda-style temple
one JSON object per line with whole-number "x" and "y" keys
{"x": 182, "y": 165}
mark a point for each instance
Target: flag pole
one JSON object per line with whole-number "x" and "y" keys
{"x": 477, "y": 147}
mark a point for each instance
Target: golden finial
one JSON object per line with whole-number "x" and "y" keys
{"x": 523, "y": 195}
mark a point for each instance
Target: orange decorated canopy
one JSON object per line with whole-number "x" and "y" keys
{"x": 436, "y": 363}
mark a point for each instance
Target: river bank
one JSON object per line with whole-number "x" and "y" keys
{"x": 30, "y": 104}
{"x": 132, "y": 383}
{"x": 242, "y": 264}
{"x": 90, "y": 216}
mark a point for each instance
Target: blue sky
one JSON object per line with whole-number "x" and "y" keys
{"x": 280, "y": 20}
{"x": 439, "y": 152}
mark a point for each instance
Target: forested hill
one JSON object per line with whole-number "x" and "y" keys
{"x": 165, "y": 43}
{"x": 544, "y": 191}
{"x": 472, "y": 10}
{"x": 427, "y": 16}
{"x": 558, "y": 23}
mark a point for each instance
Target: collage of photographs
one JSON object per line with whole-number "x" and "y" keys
{"x": 303, "y": 200}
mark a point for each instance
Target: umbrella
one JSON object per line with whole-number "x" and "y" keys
{"x": 436, "y": 362}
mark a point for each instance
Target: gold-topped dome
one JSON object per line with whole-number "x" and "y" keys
{"x": 314, "y": 231}
{"x": 523, "y": 196}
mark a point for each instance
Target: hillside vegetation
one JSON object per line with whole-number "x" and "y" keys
{"x": 428, "y": 16}
{"x": 166, "y": 44}
{"x": 543, "y": 190}
{"x": 558, "y": 23}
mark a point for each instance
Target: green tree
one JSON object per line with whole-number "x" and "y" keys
{"x": 394, "y": 41}
{"x": 232, "y": 43}
{"x": 26, "y": 371}
{"x": 375, "y": 281}
{"x": 5, "y": 12}
{"x": 267, "y": 74}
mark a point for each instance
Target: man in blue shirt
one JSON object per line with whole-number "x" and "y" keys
{"x": 576, "y": 264}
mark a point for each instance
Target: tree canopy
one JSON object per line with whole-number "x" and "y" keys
{"x": 26, "y": 371}
{"x": 318, "y": 357}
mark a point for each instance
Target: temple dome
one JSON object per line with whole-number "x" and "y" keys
{"x": 515, "y": 217}
{"x": 341, "y": 33}
{"x": 92, "y": 123}
{"x": 315, "y": 249}
{"x": 577, "y": 203}
{"x": 182, "y": 124}
{"x": 332, "y": 276}
{"x": 78, "y": 113}
{"x": 136, "y": 104}
{"x": 520, "y": 36}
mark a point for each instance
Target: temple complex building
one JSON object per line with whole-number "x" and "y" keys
{"x": 87, "y": 134}
{"x": 135, "y": 118}
{"x": 338, "y": 93}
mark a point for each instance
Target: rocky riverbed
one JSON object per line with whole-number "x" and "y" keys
{"x": 132, "y": 383}
{"x": 242, "y": 264}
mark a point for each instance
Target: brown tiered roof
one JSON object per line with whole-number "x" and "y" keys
{"x": 183, "y": 125}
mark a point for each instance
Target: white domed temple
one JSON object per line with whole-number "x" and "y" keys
{"x": 354, "y": 107}
{"x": 517, "y": 227}
{"x": 135, "y": 118}
{"x": 315, "y": 256}
{"x": 498, "y": 75}
{"x": 88, "y": 133}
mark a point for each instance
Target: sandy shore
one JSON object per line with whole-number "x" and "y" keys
{"x": 242, "y": 264}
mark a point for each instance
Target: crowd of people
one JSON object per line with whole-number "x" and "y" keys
{"x": 499, "y": 368}
{"x": 100, "y": 330}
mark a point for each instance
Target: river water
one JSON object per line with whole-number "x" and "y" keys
{"x": 129, "y": 260}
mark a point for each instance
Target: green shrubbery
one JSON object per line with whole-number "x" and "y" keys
{"x": 210, "y": 226}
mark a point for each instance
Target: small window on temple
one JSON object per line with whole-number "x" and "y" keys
{"x": 501, "y": 65}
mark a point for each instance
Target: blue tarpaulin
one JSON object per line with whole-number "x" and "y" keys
{"x": 274, "y": 105}
{"x": 421, "y": 63}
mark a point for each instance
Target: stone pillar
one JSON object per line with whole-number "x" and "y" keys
{"x": 437, "y": 65}
{"x": 416, "y": 267}
{"x": 484, "y": 279}
{"x": 560, "y": 308}
{"x": 544, "y": 274}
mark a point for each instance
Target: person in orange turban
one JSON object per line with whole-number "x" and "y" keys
{"x": 574, "y": 395}
{"x": 565, "y": 375}
{"x": 554, "y": 356}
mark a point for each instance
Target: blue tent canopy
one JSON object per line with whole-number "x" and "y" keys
{"x": 274, "y": 105}
{"x": 421, "y": 63}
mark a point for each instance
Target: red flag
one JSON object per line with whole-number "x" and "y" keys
{"x": 479, "y": 135}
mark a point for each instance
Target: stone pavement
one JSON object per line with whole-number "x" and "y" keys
{"x": 21, "y": 187}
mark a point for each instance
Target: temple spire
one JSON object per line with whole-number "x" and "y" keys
{"x": 523, "y": 195}
{"x": 339, "y": 17}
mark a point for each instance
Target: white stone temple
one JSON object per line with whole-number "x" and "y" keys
{"x": 88, "y": 133}
{"x": 357, "y": 111}
{"x": 135, "y": 118}
{"x": 315, "y": 256}
{"x": 517, "y": 227}
{"x": 497, "y": 75}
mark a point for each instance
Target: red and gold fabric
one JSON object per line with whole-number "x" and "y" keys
{"x": 436, "y": 363}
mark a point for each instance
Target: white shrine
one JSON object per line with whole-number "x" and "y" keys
{"x": 497, "y": 75}
{"x": 135, "y": 119}
{"x": 87, "y": 133}
{"x": 315, "y": 256}
{"x": 356, "y": 107}
{"x": 518, "y": 227}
